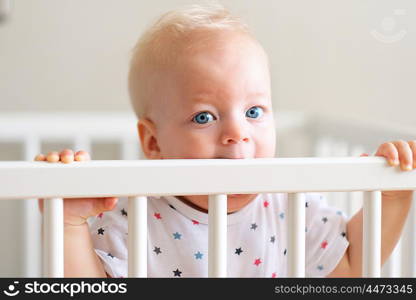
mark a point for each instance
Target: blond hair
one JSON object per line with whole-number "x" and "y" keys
{"x": 160, "y": 44}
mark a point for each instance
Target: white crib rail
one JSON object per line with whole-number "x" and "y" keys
{"x": 216, "y": 178}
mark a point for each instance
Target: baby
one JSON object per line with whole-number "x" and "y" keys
{"x": 200, "y": 86}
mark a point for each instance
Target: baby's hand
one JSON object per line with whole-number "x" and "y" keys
{"x": 398, "y": 153}
{"x": 77, "y": 210}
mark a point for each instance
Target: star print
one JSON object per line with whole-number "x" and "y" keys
{"x": 320, "y": 267}
{"x": 282, "y": 215}
{"x": 272, "y": 239}
{"x": 324, "y": 219}
{"x": 284, "y": 253}
{"x": 339, "y": 212}
{"x": 238, "y": 251}
{"x": 111, "y": 255}
{"x": 157, "y": 250}
{"x": 306, "y": 229}
{"x": 306, "y": 204}
{"x": 257, "y": 262}
{"x": 343, "y": 234}
{"x": 171, "y": 206}
{"x": 274, "y": 275}
{"x": 123, "y": 212}
{"x": 101, "y": 231}
{"x": 157, "y": 216}
{"x": 100, "y": 215}
{"x": 177, "y": 273}
{"x": 177, "y": 236}
{"x": 198, "y": 255}
{"x": 195, "y": 222}
{"x": 265, "y": 203}
{"x": 324, "y": 244}
{"x": 253, "y": 226}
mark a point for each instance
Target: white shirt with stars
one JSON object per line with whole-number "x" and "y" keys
{"x": 256, "y": 238}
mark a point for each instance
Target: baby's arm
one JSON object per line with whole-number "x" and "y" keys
{"x": 395, "y": 208}
{"x": 394, "y": 213}
{"x": 80, "y": 258}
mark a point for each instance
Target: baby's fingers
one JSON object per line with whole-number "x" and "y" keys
{"x": 405, "y": 155}
{"x": 40, "y": 157}
{"x": 389, "y": 151}
{"x": 397, "y": 152}
{"x": 412, "y": 145}
{"x": 82, "y": 156}
{"x": 66, "y": 156}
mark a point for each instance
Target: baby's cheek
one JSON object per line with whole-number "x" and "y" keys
{"x": 187, "y": 146}
{"x": 266, "y": 143}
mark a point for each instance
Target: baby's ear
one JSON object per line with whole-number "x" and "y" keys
{"x": 147, "y": 134}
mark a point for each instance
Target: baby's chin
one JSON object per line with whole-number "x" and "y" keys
{"x": 235, "y": 202}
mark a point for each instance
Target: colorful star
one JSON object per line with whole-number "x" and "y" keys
{"x": 177, "y": 236}
{"x": 274, "y": 275}
{"x": 272, "y": 239}
{"x": 320, "y": 267}
{"x": 257, "y": 262}
{"x": 195, "y": 222}
{"x": 306, "y": 204}
{"x": 253, "y": 226}
{"x": 343, "y": 234}
{"x": 282, "y": 215}
{"x": 111, "y": 255}
{"x": 324, "y": 219}
{"x": 238, "y": 251}
{"x": 198, "y": 255}
{"x": 284, "y": 252}
{"x": 123, "y": 212}
{"x": 177, "y": 273}
{"x": 171, "y": 206}
{"x": 157, "y": 250}
{"x": 265, "y": 203}
{"x": 100, "y": 215}
{"x": 101, "y": 231}
{"x": 324, "y": 244}
{"x": 157, "y": 216}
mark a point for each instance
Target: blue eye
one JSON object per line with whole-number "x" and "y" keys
{"x": 254, "y": 112}
{"x": 203, "y": 118}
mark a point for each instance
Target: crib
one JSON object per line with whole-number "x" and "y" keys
{"x": 310, "y": 150}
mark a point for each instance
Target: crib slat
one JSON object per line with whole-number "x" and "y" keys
{"x": 32, "y": 219}
{"x": 137, "y": 236}
{"x": 217, "y": 231}
{"x": 372, "y": 234}
{"x": 53, "y": 237}
{"x": 296, "y": 235}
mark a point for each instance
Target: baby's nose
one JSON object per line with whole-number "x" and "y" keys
{"x": 235, "y": 140}
{"x": 234, "y": 132}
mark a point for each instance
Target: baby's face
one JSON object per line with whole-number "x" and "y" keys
{"x": 217, "y": 105}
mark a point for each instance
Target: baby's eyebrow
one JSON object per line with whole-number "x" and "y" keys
{"x": 208, "y": 97}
